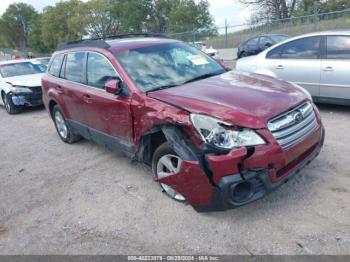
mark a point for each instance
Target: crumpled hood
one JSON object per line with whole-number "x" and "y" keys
{"x": 25, "y": 80}
{"x": 243, "y": 99}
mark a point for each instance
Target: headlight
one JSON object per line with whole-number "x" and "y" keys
{"x": 221, "y": 134}
{"x": 20, "y": 89}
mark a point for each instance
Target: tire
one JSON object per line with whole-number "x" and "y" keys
{"x": 165, "y": 154}
{"x": 63, "y": 130}
{"x": 10, "y": 107}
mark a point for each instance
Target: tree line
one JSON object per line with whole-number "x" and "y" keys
{"x": 22, "y": 27}
{"x": 267, "y": 10}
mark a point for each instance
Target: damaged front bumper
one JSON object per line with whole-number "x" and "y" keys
{"x": 27, "y": 99}
{"x": 220, "y": 182}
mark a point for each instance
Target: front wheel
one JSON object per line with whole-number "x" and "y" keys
{"x": 10, "y": 107}
{"x": 165, "y": 163}
{"x": 243, "y": 54}
{"x": 63, "y": 130}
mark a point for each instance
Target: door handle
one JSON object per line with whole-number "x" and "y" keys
{"x": 59, "y": 88}
{"x": 280, "y": 67}
{"x": 87, "y": 99}
{"x": 328, "y": 68}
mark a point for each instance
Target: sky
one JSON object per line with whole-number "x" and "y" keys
{"x": 232, "y": 10}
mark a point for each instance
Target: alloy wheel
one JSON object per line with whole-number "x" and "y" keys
{"x": 61, "y": 125}
{"x": 169, "y": 165}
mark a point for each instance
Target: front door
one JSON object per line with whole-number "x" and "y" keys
{"x": 300, "y": 63}
{"x": 108, "y": 115}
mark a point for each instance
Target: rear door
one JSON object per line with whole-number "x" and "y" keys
{"x": 252, "y": 46}
{"x": 335, "y": 73}
{"x": 71, "y": 87}
{"x": 107, "y": 114}
{"x": 300, "y": 62}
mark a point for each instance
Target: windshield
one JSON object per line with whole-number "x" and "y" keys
{"x": 18, "y": 69}
{"x": 166, "y": 65}
{"x": 279, "y": 38}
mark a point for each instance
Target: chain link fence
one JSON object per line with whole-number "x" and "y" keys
{"x": 231, "y": 36}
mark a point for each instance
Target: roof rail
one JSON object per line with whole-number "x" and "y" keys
{"x": 136, "y": 35}
{"x": 83, "y": 43}
{"x": 101, "y": 43}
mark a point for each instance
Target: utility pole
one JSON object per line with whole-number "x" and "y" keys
{"x": 226, "y": 36}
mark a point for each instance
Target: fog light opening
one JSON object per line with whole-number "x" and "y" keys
{"x": 242, "y": 192}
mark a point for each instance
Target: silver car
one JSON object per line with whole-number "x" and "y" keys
{"x": 318, "y": 62}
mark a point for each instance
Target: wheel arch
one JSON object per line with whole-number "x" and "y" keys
{"x": 52, "y": 103}
{"x": 172, "y": 134}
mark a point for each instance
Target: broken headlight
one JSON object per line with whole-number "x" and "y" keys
{"x": 20, "y": 89}
{"x": 224, "y": 135}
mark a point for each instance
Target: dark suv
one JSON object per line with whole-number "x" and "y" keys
{"x": 213, "y": 138}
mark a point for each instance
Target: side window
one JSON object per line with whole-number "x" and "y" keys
{"x": 306, "y": 48}
{"x": 338, "y": 47}
{"x": 55, "y": 66}
{"x": 74, "y": 66}
{"x": 274, "y": 53}
{"x": 265, "y": 42}
{"x": 99, "y": 70}
{"x": 253, "y": 41}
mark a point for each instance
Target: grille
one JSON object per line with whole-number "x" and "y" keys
{"x": 36, "y": 90}
{"x": 293, "y": 126}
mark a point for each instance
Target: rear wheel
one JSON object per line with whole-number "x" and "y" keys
{"x": 10, "y": 107}
{"x": 166, "y": 163}
{"x": 63, "y": 130}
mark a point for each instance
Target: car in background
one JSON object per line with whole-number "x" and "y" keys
{"x": 204, "y": 48}
{"x": 257, "y": 44}
{"x": 318, "y": 62}
{"x": 20, "y": 84}
{"x": 43, "y": 60}
{"x": 41, "y": 63}
{"x": 213, "y": 138}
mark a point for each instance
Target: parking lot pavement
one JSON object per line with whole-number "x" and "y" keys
{"x": 83, "y": 199}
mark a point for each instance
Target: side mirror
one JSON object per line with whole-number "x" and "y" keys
{"x": 113, "y": 86}
{"x": 268, "y": 45}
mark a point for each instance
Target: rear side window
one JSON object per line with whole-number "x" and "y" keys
{"x": 338, "y": 47}
{"x": 306, "y": 48}
{"x": 99, "y": 70}
{"x": 75, "y": 66}
{"x": 265, "y": 42}
{"x": 253, "y": 41}
{"x": 56, "y": 64}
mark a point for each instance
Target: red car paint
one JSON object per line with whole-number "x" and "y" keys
{"x": 245, "y": 100}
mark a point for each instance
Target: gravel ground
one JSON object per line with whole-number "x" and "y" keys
{"x": 83, "y": 199}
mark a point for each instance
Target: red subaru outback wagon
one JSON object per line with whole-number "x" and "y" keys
{"x": 217, "y": 139}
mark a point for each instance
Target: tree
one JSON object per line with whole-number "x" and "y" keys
{"x": 59, "y": 23}
{"x": 16, "y": 24}
{"x": 271, "y": 9}
{"x": 186, "y": 15}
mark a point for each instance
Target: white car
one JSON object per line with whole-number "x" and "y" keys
{"x": 208, "y": 50}
{"x": 20, "y": 84}
{"x": 318, "y": 62}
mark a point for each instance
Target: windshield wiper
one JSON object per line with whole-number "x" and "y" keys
{"x": 202, "y": 77}
{"x": 163, "y": 87}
